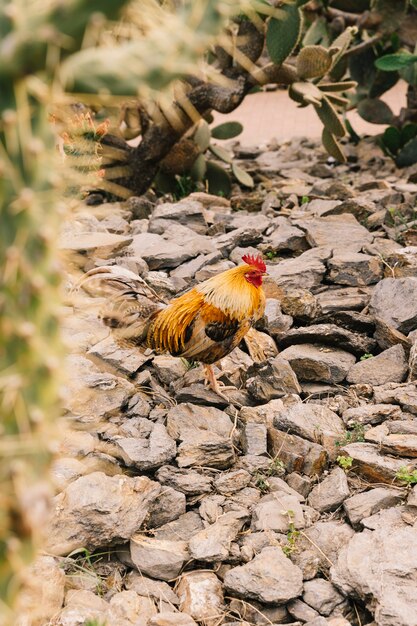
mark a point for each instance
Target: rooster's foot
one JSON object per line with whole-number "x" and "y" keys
{"x": 216, "y": 385}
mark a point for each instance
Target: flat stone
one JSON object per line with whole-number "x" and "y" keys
{"x": 147, "y": 453}
{"x": 149, "y": 588}
{"x": 349, "y": 298}
{"x": 336, "y": 231}
{"x": 201, "y": 596}
{"x": 311, "y": 421}
{"x": 188, "y": 212}
{"x": 126, "y": 360}
{"x": 80, "y": 606}
{"x": 169, "y": 618}
{"x": 354, "y": 269}
{"x": 370, "y": 502}
{"x": 159, "y": 558}
{"x": 254, "y": 439}
{"x": 318, "y": 363}
{"x": 349, "y": 320}
{"x": 328, "y": 334}
{"x": 301, "y": 484}
{"x": 271, "y": 513}
{"x": 189, "y": 269}
{"x": 98, "y": 510}
{"x": 296, "y": 453}
{"x": 300, "y": 303}
{"x": 99, "y": 244}
{"x": 393, "y": 439}
{"x": 395, "y": 301}
{"x": 158, "y": 252}
{"x": 380, "y": 567}
{"x": 92, "y": 394}
{"x": 189, "y": 482}
{"x": 319, "y": 545}
{"x": 180, "y": 529}
{"x": 299, "y": 610}
{"x": 277, "y": 322}
{"x": 305, "y": 271}
{"x": 240, "y": 237}
{"x": 369, "y": 463}
{"x": 371, "y": 414}
{"x": 321, "y": 595}
{"x": 284, "y": 237}
{"x": 389, "y": 366}
{"x": 270, "y": 578}
{"x": 168, "y": 368}
{"x": 213, "y": 543}
{"x": 170, "y": 505}
{"x": 127, "y": 608}
{"x": 329, "y": 494}
{"x": 271, "y": 379}
{"x": 229, "y": 482}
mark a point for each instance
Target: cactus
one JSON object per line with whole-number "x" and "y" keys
{"x": 400, "y": 144}
{"x": 313, "y": 62}
{"x": 284, "y": 33}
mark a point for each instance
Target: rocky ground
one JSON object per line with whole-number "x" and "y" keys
{"x": 293, "y": 504}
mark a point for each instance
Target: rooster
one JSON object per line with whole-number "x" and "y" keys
{"x": 204, "y": 324}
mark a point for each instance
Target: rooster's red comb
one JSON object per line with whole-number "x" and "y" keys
{"x": 255, "y": 261}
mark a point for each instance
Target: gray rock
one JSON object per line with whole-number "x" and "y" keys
{"x": 301, "y": 484}
{"x": 254, "y": 439}
{"x": 180, "y": 529}
{"x": 301, "y": 611}
{"x": 395, "y": 301}
{"x": 158, "y": 252}
{"x": 126, "y": 360}
{"x": 127, "y": 608}
{"x": 97, "y": 244}
{"x": 169, "y": 618}
{"x": 80, "y": 607}
{"x": 311, "y": 421}
{"x": 240, "y": 237}
{"x": 155, "y": 589}
{"x": 319, "y": 546}
{"x": 389, "y": 366}
{"x": 300, "y": 303}
{"x": 188, "y": 482}
{"x": 98, "y": 510}
{"x": 271, "y": 379}
{"x": 201, "y": 596}
{"x": 284, "y": 237}
{"x": 91, "y": 394}
{"x": 371, "y": 414}
{"x": 213, "y": 543}
{"x": 354, "y": 269}
{"x": 369, "y": 463}
{"x": 229, "y": 482}
{"x": 272, "y": 513}
{"x": 159, "y": 558}
{"x": 318, "y": 363}
{"x": 213, "y": 269}
{"x": 297, "y": 454}
{"x": 347, "y": 299}
{"x": 277, "y": 322}
{"x": 189, "y": 269}
{"x": 370, "y": 502}
{"x": 328, "y": 334}
{"x": 169, "y": 368}
{"x": 321, "y": 595}
{"x": 169, "y": 505}
{"x": 217, "y": 452}
{"x": 396, "y": 438}
{"x": 187, "y": 212}
{"x": 147, "y": 453}
{"x": 336, "y": 231}
{"x": 330, "y": 492}
{"x": 264, "y": 413}
{"x": 305, "y": 271}
{"x": 270, "y": 578}
{"x": 380, "y": 567}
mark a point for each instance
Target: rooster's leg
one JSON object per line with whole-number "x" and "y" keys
{"x": 215, "y": 385}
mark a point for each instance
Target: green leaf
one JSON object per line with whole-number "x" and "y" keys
{"x": 408, "y": 132}
{"x": 413, "y": 3}
{"x": 221, "y": 153}
{"x": 408, "y": 154}
{"x": 243, "y": 177}
{"x": 283, "y": 34}
{"x": 317, "y": 33}
{"x": 391, "y": 139}
{"x": 332, "y": 146}
{"x": 228, "y": 130}
{"x": 395, "y": 62}
{"x": 375, "y": 111}
{"x": 330, "y": 118}
{"x": 218, "y": 180}
{"x": 198, "y": 168}
{"x": 202, "y": 135}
